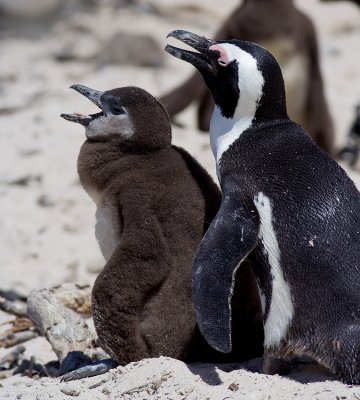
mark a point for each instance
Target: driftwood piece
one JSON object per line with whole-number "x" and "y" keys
{"x": 11, "y": 358}
{"x": 73, "y": 296}
{"x": 66, "y": 331}
{"x": 12, "y": 339}
{"x": 15, "y": 307}
{"x": 20, "y": 324}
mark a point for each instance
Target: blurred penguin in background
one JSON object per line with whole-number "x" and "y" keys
{"x": 350, "y": 152}
{"x": 288, "y": 34}
{"x": 354, "y": 1}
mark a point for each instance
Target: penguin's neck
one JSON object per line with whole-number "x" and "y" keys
{"x": 97, "y": 165}
{"x": 224, "y": 131}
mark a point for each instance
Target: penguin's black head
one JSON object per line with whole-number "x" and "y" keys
{"x": 129, "y": 116}
{"x": 244, "y": 79}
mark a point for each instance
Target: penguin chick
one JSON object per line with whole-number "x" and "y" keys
{"x": 290, "y": 35}
{"x": 154, "y": 204}
{"x": 285, "y": 203}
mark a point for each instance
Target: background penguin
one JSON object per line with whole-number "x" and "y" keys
{"x": 287, "y": 205}
{"x": 290, "y": 35}
{"x": 354, "y": 1}
{"x": 154, "y": 204}
{"x": 350, "y": 152}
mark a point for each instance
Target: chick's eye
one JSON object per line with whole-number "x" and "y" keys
{"x": 117, "y": 110}
{"x": 222, "y": 63}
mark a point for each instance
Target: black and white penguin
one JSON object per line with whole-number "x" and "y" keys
{"x": 287, "y": 205}
{"x": 154, "y": 204}
{"x": 289, "y": 34}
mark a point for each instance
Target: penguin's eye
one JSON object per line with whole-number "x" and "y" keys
{"x": 117, "y": 110}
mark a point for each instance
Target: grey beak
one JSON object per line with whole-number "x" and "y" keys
{"x": 92, "y": 94}
{"x": 199, "y": 60}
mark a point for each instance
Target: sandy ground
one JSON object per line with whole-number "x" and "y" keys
{"x": 47, "y": 220}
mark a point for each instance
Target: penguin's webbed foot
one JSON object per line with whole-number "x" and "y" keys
{"x": 283, "y": 366}
{"x": 97, "y": 368}
{"x": 272, "y": 366}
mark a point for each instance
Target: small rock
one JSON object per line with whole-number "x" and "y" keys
{"x": 29, "y": 152}
{"x": 94, "y": 268}
{"x": 70, "y": 390}
{"x": 25, "y": 180}
{"x": 45, "y": 201}
{"x": 70, "y": 228}
{"x": 234, "y": 387}
{"x": 106, "y": 391}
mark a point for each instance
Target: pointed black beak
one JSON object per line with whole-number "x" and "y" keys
{"x": 200, "y": 60}
{"x": 94, "y": 96}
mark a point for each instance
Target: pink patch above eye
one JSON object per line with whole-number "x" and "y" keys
{"x": 223, "y": 59}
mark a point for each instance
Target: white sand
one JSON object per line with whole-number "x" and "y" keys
{"x": 43, "y": 245}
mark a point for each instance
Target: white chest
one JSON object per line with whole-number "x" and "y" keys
{"x": 107, "y": 229}
{"x": 224, "y": 131}
{"x": 108, "y": 224}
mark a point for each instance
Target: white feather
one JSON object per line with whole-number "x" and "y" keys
{"x": 107, "y": 230}
{"x": 281, "y": 309}
{"x": 224, "y": 131}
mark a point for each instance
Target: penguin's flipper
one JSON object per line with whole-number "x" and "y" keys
{"x": 228, "y": 241}
{"x": 97, "y": 368}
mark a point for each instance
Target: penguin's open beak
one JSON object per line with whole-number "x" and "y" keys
{"x": 94, "y": 96}
{"x": 202, "y": 60}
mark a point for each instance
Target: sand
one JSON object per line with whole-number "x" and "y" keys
{"x": 47, "y": 220}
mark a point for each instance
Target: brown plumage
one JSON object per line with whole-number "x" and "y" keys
{"x": 154, "y": 204}
{"x": 288, "y": 34}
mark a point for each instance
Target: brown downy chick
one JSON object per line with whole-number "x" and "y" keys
{"x": 154, "y": 204}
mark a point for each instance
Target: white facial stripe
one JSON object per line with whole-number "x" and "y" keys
{"x": 224, "y": 131}
{"x": 281, "y": 309}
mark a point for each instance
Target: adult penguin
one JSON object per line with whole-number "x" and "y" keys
{"x": 286, "y": 204}
{"x": 290, "y": 35}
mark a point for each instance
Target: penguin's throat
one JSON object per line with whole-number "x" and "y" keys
{"x": 224, "y": 131}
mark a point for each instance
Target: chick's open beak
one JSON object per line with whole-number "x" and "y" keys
{"x": 94, "y": 96}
